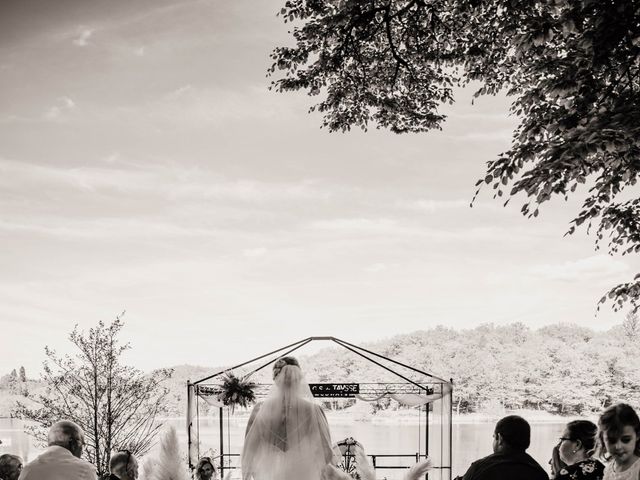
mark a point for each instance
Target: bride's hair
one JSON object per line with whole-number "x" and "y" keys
{"x": 283, "y": 362}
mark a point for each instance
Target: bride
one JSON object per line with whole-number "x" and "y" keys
{"x": 287, "y": 437}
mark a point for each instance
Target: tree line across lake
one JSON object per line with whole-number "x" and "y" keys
{"x": 560, "y": 368}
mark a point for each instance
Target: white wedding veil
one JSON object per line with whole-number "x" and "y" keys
{"x": 287, "y": 437}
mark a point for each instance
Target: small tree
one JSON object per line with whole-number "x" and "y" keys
{"x": 631, "y": 326}
{"x": 13, "y": 381}
{"x": 23, "y": 375}
{"x": 116, "y": 405}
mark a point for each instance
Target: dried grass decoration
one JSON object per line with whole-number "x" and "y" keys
{"x": 237, "y": 391}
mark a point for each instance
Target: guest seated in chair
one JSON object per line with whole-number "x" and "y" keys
{"x": 61, "y": 460}
{"x": 575, "y": 449}
{"x": 509, "y": 459}
{"x": 205, "y": 469}
{"x": 10, "y": 466}
{"x": 123, "y": 466}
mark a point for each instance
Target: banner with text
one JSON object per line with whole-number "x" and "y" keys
{"x": 335, "y": 390}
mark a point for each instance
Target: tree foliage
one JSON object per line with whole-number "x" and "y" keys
{"x": 116, "y": 405}
{"x": 571, "y": 68}
{"x": 560, "y": 368}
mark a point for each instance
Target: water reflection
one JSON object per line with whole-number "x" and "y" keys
{"x": 14, "y": 440}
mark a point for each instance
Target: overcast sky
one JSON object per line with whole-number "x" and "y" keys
{"x": 145, "y": 166}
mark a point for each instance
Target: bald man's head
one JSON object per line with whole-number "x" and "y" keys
{"x": 124, "y": 465}
{"x": 68, "y": 435}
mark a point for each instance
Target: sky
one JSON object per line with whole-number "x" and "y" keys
{"x": 145, "y": 167}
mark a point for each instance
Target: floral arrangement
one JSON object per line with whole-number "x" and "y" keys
{"x": 236, "y": 391}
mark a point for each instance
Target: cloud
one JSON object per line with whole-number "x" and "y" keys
{"x": 254, "y": 252}
{"x": 595, "y": 267}
{"x": 112, "y": 158}
{"x": 40, "y": 178}
{"x": 370, "y": 227}
{"x": 83, "y": 36}
{"x": 139, "y": 52}
{"x": 377, "y": 267}
{"x": 174, "y": 182}
{"x": 52, "y": 113}
{"x": 14, "y": 119}
{"x": 248, "y": 190}
{"x": 363, "y": 225}
{"x": 195, "y": 108}
{"x": 433, "y": 205}
{"x": 104, "y": 229}
{"x": 497, "y": 135}
{"x": 63, "y": 105}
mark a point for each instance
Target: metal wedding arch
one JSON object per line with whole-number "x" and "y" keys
{"x": 429, "y": 395}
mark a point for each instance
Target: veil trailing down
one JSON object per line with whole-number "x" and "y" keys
{"x": 287, "y": 437}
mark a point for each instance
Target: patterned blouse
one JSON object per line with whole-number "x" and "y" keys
{"x": 589, "y": 469}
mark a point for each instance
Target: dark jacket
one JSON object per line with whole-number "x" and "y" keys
{"x": 506, "y": 466}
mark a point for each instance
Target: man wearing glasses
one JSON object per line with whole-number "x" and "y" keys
{"x": 61, "y": 460}
{"x": 123, "y": 466}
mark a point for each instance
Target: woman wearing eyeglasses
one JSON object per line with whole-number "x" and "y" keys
{"x": 575, "y": 449}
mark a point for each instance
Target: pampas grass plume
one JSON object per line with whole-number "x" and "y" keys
{"x": 166, "y": 463}
{"x": 148, "y": 467}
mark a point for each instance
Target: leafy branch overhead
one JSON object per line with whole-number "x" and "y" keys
{"x": 571, "y": 67}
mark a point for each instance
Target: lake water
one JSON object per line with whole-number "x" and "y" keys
{"x": 470, "y": 440}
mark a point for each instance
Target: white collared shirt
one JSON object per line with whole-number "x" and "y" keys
{"x": 57, "y": 463}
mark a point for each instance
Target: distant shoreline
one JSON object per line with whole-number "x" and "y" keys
{"x": 532, "y": 416}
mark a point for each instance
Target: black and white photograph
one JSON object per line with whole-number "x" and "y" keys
{"x": 319, "y": 239}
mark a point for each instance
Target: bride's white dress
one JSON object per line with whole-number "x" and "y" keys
{"x": 287, "y": 436}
